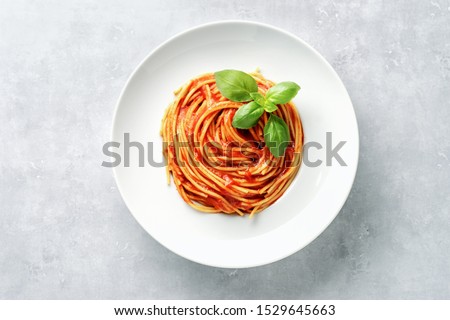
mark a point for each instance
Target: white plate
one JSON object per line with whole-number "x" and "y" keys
{"x": 312, "y": 201}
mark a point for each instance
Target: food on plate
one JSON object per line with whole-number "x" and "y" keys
{"x": 232, "y": 141}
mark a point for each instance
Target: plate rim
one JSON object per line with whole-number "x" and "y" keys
{"x": 317, "y": 54}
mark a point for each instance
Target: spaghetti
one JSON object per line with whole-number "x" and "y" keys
{"x": 216, "y": 167}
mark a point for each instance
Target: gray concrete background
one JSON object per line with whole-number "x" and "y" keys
{"x": 64, "y": 230}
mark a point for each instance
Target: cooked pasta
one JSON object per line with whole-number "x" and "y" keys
{"x": 216, "y": 167}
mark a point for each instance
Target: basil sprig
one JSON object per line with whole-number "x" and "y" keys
{"x": 276, "y": 135}
{"x": 248, "y": 115}
{"x": 241, "y": 87}
{"x": 236, "y": 85}
{"x": 282, "y": 93}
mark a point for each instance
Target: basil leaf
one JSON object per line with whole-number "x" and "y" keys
{"x": 282, "y": 92}
{"x": 235, "y": 85}
{"x": 258, "y": 98}
{"x": 270, "y": 107}
{"x": 276, "y": 135}
{"x": 247, "y": 116}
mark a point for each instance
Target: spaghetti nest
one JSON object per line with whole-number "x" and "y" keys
{"x": 216, "y": 167}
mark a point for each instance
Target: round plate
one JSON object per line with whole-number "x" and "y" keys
{"x": 314, "y": 198}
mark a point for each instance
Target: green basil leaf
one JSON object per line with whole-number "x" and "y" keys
{"x": 258, "y": 98}
{"x": 282, "y": 92}
{"x": 276, "y": 135}
{"x": 270, "y": 107}
{"x": 247, "y": 116}
{"x": 235, "y": 85}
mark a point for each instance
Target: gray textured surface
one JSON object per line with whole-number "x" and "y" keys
{"x": 64, "y": 230}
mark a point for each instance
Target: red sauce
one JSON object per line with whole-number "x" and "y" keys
{"x": 249, "y": 177}
{"x": 181, "y": 101}
{"x": 262, "y": 86}
{"x": 197, "y": 154}
{"x": 283, "y": 172}
{"x": 228, "y": 180}
{"x": 212, "y": 149}
{"x": 289, "y": 156}
{"x": 215, "y": 97}
{"x": 193, "y": 124}
{"x": 181, "y": 115}
{"x": 235, "y": 203}
{"x": 218, "y": 204}
{"x": 289, "y": 153}
{"x": 203, "y": 91}
{"x": 171, "y": 148}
